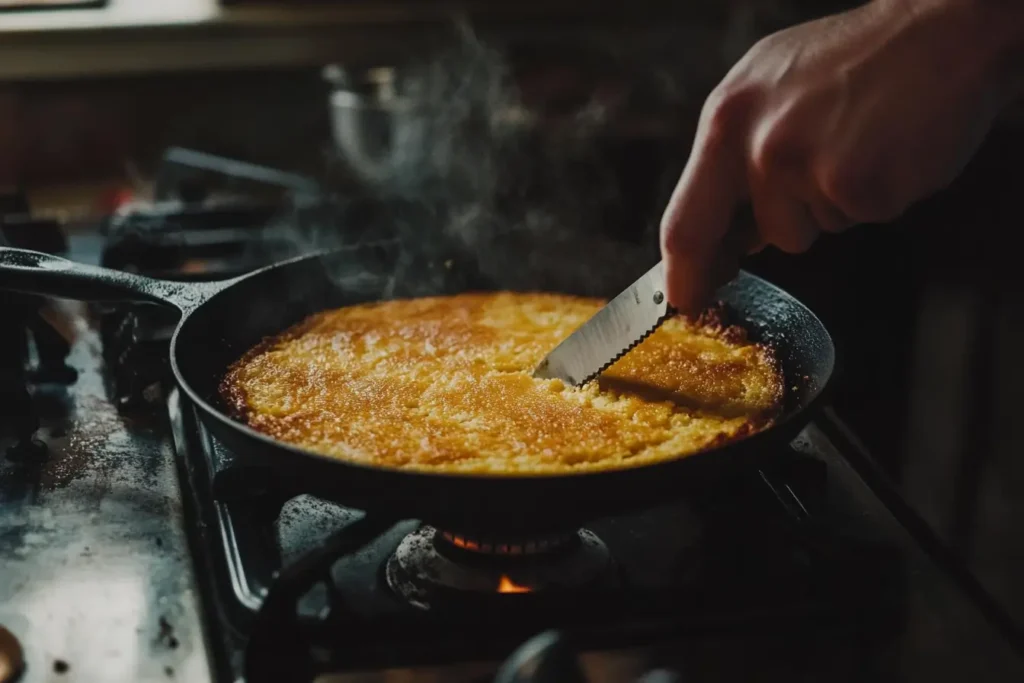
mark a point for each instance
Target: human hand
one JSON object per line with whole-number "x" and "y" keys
{"x": 843, "y": 120}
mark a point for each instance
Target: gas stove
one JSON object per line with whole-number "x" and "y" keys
{"x": 755, "y": 556}
{"x": 137, "y": 547}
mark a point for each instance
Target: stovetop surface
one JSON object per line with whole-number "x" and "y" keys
{"x": 819, "y": 584}
{"x": 106, "y": 572}
{"x": 95, "y": 574}
{"x": 125, "y": 558}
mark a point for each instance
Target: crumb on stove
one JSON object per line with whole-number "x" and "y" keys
{"x": 159, "y": 542}
{"x": 169, "y": 670}
{"x": 60, "y": 666}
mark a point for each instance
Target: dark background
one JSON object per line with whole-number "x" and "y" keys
{"x": 928, "y": 316}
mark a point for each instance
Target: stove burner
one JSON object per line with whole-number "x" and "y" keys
{"x": 537, "y": 545}
{"x": 432, "y": 568}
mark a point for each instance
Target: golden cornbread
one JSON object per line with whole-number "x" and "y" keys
{"x": 444, "y": 384}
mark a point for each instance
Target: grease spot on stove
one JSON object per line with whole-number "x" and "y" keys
{"x": 166, "y": 633}
{"x": 87, "y": 439}
{"x": 91, "y": 444}
{"x": 60, "y": 666}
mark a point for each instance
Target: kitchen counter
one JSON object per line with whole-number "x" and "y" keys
{"x": 96, "y": 582}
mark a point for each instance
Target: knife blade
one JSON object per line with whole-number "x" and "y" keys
{"x": 622, "y": 324}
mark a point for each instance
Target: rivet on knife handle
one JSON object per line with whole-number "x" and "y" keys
{"x": 612, "y": 332}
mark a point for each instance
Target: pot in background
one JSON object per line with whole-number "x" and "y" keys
{"x": 592, "y": 140}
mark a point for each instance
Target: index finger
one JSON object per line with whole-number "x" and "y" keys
{"x": 698, "y": 217}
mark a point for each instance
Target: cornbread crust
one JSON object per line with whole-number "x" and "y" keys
{"x": 444, "y": 384}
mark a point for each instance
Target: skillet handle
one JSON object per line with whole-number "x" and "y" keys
{"x": 34, "y": 272}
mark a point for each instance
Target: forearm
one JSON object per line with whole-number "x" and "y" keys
{"x": 992, "y": 36}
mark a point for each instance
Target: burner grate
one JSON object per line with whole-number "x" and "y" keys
{"x": 429, "y": 571}
{"x": 191, "y": 233}
{"x": 535, "y": 545}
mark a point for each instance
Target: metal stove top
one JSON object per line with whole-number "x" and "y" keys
{"x": 701, "y": 565}
{"x": 799, "y": 566}
{"x": 134, "y": 549}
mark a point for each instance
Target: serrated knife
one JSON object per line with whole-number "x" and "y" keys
{"x": 614, "y": 330}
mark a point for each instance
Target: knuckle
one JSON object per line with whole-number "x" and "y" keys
{"x": 677, "y": 240}
{"x": 724, "y": 111}
{"x": 768, "y": 153}
{"x": 798, "y": 240}
{"x": 858, "y": 191}
{"x": 830, "y": 219}
{"x": 782, "y": 225}
{"x": 717, "y": 103}
{"x": 791, "y": 238}
{"x": 837, "y": 184}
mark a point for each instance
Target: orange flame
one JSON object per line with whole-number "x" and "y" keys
{"x": 506, "y": 585}
{"x": 193, "y": 266}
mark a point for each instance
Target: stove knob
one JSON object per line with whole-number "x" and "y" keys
{"x": 542, "y": 659}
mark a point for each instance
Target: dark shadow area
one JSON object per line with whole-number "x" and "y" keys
{"x": 927, "y": 315}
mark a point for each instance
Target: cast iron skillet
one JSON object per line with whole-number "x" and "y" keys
{"x": 221, "y": 320}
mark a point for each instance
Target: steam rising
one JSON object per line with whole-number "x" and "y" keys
{"x": 481, "y": 186}
{"x": 524, "y": 202}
